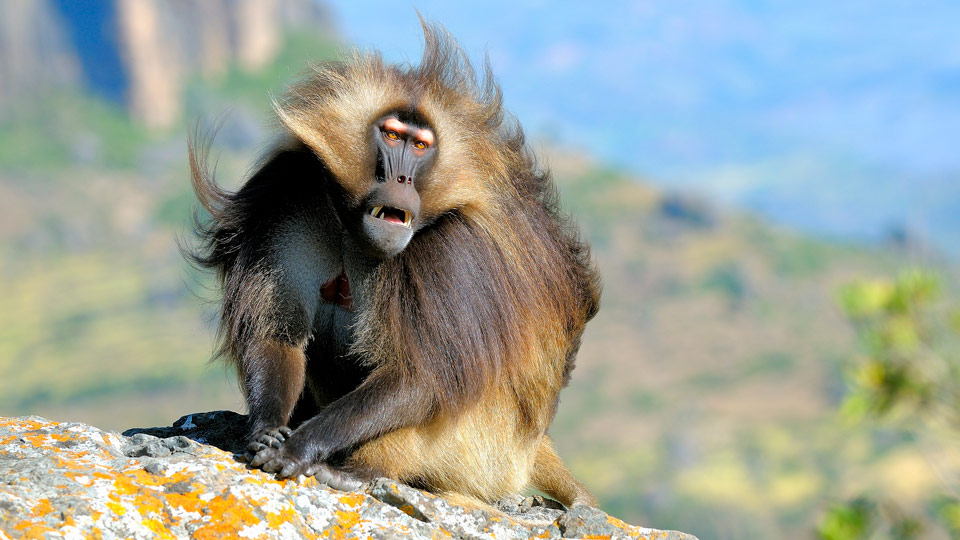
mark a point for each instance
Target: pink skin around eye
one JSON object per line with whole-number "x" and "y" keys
{"x": 423, "y": 135}
{"x": 392, "y": 124}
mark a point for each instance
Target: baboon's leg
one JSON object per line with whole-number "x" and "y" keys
{"x": 552, "y": 477}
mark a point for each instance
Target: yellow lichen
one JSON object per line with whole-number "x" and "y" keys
{"x": 544, "y": 534}
{"x": 117, "y": 508}
{"x": 158, "y": 528}
{"x": 408, "y": 509}
{"x": 189, "y": 502}
{"x": 626, "y": 527}
{"x": 42, "y": 508}
{"x": 353, "y": 499}
{"x": 33, "y": 531}
{"x": 345, "y": 521}
{"x": 228, "y": 515}
{"x": 23, "y": 423}
{"x": 285, "y": 515}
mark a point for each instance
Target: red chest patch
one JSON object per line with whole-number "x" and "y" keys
{"x": 337, "y": 291}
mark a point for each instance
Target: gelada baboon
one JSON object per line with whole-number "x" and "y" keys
{"x": 401, "y": 296}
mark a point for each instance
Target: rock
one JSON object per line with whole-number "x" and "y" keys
{"x": 70, "y": 480}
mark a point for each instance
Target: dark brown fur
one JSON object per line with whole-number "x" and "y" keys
{"x": 452, "y": 363}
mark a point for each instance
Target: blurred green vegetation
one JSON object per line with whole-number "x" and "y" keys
{"x": 64, "y": 313}
{"x": 61, "y": 128}
{"x": 908, "y": 374}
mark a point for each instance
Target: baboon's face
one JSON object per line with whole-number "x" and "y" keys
{"x": 386, "y": 218}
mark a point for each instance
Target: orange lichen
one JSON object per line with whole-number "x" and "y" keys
{"x": 228, "y": 516}
{"x": 544, "y": 534}
{"x": 345, "y": 522}
{"x": 189, "y": 502}
{"x": 258, "y": 478}
{"x": 117, "y": 508}
{"x": 23, "y": 423}
{"x": 80, "y": 477}
{"x": 158, "y": 528}
{"x": 353, "y": 499}
{"x": 310, "y": 481}
{"x": 42, "y": 508}
{"x": 60, "y": 437}
{"x": 626, "y": 527}
{"x": 144, "y": 500}
{"x": 39, "y": 439}
{"x": 133, "y": 481}
{"x": 33, "y": 531}
{"x": 285, "y": 515}
{"x": 68, "y": 461}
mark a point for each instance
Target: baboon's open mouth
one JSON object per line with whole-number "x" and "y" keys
{"x": 392, "y": 215}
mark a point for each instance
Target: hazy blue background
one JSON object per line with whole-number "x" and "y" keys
{"x": 837, "y": 117}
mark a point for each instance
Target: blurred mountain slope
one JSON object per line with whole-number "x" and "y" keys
{"x": 141, "y": 52}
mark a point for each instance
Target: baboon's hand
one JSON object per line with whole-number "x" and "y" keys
{"x": 277, "y": 460}
{"x": 295, "y": 456}
{"x": 270, "y": 437}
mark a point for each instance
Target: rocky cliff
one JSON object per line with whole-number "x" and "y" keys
{"x": 34, "y": 51}
{"x": 141, "y": 52}
{"x": 68, "y": 480}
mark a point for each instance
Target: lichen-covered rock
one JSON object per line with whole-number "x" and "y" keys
{"x": 68, "y": 480}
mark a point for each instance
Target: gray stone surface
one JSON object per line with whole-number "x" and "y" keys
{"x": 69, "y": 480}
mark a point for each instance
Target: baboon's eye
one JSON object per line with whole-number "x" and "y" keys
{"x": 419, "y": 145}
{"x": 393, "y": 136}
